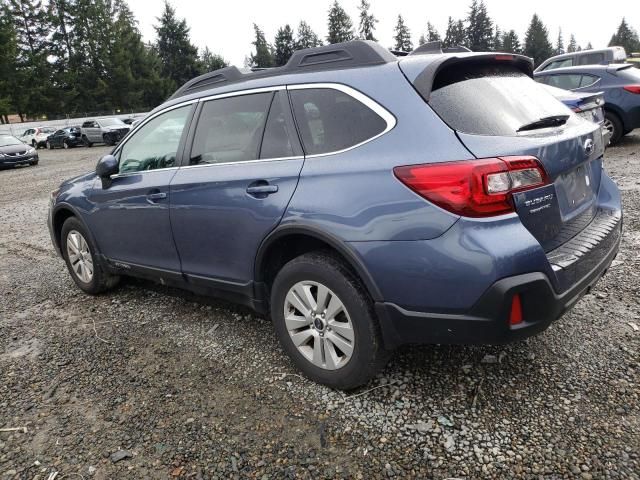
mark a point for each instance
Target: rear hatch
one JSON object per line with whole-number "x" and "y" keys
{"x": 497, "y": 110}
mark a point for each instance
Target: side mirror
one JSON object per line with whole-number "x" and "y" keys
{"x": 107, "y": 166}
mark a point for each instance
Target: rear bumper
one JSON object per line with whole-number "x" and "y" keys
{"x": 488, "y": 321}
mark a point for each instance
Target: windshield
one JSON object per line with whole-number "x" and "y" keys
{"x": 107, "y": 122}
{"x": 491, "y": 99}
{"x": 6, "y": 140}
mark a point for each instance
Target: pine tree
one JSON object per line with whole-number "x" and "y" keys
{"x": 402, "y": 36}
{"x": 480, "y": 27}
{"x": 263, "y": 58}
{"x": 33, "y": 71}
{"x": 340, "y": 25}
{"x": 559, "y": 44}
{"x": 589, "y": 46}
{"x": 455, "y": 34}
{"x": 305, "y": 37}
{"x": 210, "y": 61}
{"x": 8, "y": 56}
{"x": 432, "y": 33}
{"x": 178, "y": 55}
{"x": 536, "y": 42}
{"x": 367, "y": 22}
{"x": 573, "y": 46}
{"x": 284, "y": 45}
{"x": 497, "y": 40}
{"x": 511, "y": 42}
{"x": 625, "y": 37}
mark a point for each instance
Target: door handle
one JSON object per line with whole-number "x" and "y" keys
{"x": 153, "y": 197}
{"x": 262, "y": 189}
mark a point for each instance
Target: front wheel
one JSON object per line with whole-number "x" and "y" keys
{"x": 86, "y": 141}
{"x": 614, "y": 125}
{"x": 108, "y": 139}
{"x": 34, "y": 144}
{"x": 65, "y": 144}
{"x": 81, "y": 259}
{"x": 325, "y": 322}
{"x": 49, "y": 146}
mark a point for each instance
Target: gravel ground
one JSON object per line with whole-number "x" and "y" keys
{"x": 149, "y": 382}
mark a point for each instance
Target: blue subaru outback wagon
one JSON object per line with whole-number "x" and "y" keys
{"x": 361, "y": 200}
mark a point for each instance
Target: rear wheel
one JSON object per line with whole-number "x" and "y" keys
{"x": 324, "y": 320}
{"x": 34, "y": 144}
{"x": 614, "y": 125}
{"x": 49, "y": 146}
{"x": 83, "y": 263}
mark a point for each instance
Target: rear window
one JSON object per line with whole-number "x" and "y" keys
{"x": 490, "y": 99}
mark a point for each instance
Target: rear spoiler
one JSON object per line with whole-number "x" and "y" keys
{"x": 616, "y": 67}
{"x": 424, "y": 81}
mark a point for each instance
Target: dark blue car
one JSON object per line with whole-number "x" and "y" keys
{"x": 362, "y": 201}
{"x": 620, "y": 84}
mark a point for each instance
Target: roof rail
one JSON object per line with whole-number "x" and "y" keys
{"x": 399, "y": 53}
{"x": 356, "y": 53}
{"x": 431, "y": 48}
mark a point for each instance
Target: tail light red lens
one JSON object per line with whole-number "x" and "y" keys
{"x": 632, "y": 88}
{"x": 474, "y": 188}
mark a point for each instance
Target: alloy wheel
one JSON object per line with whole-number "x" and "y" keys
{"x": 79, "y": 256}
{"x": 319, "y": 325}
{"x": 608, "y": 126}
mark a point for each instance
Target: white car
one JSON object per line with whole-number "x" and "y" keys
{"x": 36, "y": 137}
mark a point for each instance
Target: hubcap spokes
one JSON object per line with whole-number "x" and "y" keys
{"x": 79, "y": 256}
{"x": 319, "y": 325}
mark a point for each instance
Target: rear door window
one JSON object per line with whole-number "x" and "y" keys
{"x": 588, "y": 80}
{"x": 230, "y": 129}
{"x": 490, "y": 99}
{"x": 330, "y": 120}
{"x": 565, "y": 81}
{"x": 276, "y": 142}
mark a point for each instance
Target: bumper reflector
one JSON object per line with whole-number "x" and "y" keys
{"x": 515, "y": 317}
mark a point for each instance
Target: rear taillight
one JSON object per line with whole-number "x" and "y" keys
{"x": 632, "y": 88}
{"x": 474, "y": 188}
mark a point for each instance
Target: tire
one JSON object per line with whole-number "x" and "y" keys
{"x": 48, "y": 145}
{"x": 613, "y": 123}
{"x": 34, "y": 144}
{"x": 99, "y": 280}
{"x": 108, "y": 140}
{"x": 33, "y": 164}
{"x": 86, "y": 141}
{"x": 65, "y": 144}
{"x": 356, "y": 326}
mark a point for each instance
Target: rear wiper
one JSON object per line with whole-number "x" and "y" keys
{"x": 552, "y": 121}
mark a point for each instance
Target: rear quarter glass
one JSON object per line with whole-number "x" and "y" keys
{"x": 491, "y": 99}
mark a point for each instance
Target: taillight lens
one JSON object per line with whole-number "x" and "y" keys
{"x": 632, "y": 88}
{"x": 474, "y": 188}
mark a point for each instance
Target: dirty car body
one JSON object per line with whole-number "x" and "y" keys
{"x": 464, "y": 202}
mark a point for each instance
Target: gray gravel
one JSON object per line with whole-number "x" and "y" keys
{"x": 148, "y": 382}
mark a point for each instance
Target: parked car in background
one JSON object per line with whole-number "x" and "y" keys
{"x": 104, "y": 130}
{"x": 362, "y": 200}
{"x": 37, "y": 136}
{"x": 603, "y": 56}
{"x": 589, "y": 106}
{"x": 620, "y": 84}
{"x": 65, "y": 138}
{"x": 14, "y": 152}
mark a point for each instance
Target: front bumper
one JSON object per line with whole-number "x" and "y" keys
{"x": 7, "y": 161}
{"x": 487, "y": 322}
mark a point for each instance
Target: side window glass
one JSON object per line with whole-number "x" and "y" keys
{"x": 276, "y": 142}
{"x": 330, "y": 120}
{"x": 230, "y": 129}
{"x": 588, "y": 80}
{"x": 591, "y": 59}
{"x": 155, "y": 145}
{"x": 567, "y": 82}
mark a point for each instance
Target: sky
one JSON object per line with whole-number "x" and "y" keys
{"x": 226, "y": 27}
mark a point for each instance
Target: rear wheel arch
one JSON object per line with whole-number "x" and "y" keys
{"x": 285, "y": 244}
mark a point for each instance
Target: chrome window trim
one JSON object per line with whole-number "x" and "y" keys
{"x": 387, "y": 116}
{"x": 367, "y": 101}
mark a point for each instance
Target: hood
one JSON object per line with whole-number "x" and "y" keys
{"x": 10, "y": 149}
